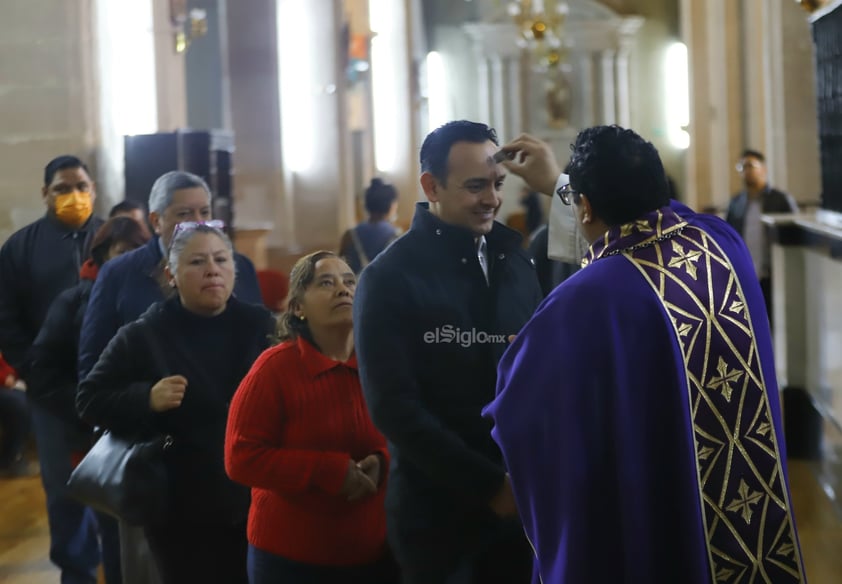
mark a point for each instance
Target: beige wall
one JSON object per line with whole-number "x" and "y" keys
{"x": 751, "y": 77}
{"x": 47, "y": 98}
{"x": 52, "y": 103}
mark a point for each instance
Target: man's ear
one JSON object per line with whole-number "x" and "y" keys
{"x": 155, "y": 221}
{"x": 586, "y": 211}
{"x": 44, "y": 192}
{"x": 430, "y": 186}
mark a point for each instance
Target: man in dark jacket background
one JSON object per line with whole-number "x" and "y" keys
{"x": 37, "y": 263}
{"x": 432, "y": 315}
{"x": 746, "y": 209}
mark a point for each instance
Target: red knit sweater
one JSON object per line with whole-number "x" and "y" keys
{"x": 295, "y": 421}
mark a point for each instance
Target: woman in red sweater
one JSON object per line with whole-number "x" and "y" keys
{"x": 300, "y": 435}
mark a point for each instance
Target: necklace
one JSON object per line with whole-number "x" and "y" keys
{"x": 632, "y": 248}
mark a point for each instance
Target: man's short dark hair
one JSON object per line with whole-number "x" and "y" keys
{"x": 61, "y": 163}
{"x": 436, "y": 147}
{"x": 379, "y": 197}
{"x": 748, "y": 152}
{"x": 127, "y": 206}
{"x": 619, "y": 172}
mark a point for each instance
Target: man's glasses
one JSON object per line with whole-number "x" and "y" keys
{"x": 741, "y": 166}
{"x": 567, "y": 194}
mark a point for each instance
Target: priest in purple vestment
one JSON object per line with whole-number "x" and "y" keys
{"x": 637, "y": 411}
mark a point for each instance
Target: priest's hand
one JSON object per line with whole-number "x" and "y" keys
{"x": 503, "y": 503}
{"x": 533, "y": 161}
{"x": 357, "y": 484}
{"x": 168, "y": 393}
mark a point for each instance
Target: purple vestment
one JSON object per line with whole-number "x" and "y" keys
{"x": 639, "y": 418}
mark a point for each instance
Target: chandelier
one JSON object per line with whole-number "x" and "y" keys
{"x": 541, "y": 24}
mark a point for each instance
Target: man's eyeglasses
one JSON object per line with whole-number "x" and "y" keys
{"x": 567, "y": 194}
{"x": 741, "y": 166}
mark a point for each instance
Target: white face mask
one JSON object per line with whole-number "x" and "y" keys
{"x": 566, "y": 242}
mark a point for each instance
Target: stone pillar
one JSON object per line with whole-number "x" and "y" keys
{"x": 514, "y": 107}
{"x": 484, "y": 93}
{"x": 623, "y": 90}
{"x": 171, "y": 79}
{"x": 260, "y": 193}
{"x": 584, "y": 67}
{"x": 48, "y": 99}
{"x": 498, "y": 94}
{"x": 607, "y": 86}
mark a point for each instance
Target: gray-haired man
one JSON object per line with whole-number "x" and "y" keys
{"x": 131, "y": 283}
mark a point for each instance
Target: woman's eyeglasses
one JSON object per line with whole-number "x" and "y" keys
{"x": 191, "y": 225}
{"x": 567, "y": 194}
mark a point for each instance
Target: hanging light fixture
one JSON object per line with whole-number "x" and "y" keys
{"x": 541, "y": 30}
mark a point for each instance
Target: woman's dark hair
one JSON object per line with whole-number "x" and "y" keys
{"x": 379, "y": 197}
{"x": 290, "y": 327}
{"x": 117, "y": 230}
{"x": 619, "y": 172}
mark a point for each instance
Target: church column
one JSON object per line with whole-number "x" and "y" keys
{"x": 499, "y": 92}
{"x": 606, "y": 63}
{"x": 515, "y": 105}
{"x": 623, "y": 94}
{"x": 484, "y": 94}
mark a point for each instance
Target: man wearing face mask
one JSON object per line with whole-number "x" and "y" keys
{"x": 36, "y": 264}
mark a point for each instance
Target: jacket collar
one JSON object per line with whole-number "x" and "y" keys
{"x": 90, "y": 225}
{"x": 500, "y": 238}
{"x": 317, "y": 363}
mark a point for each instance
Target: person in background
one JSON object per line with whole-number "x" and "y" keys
{"x": 129, "y": 208}
{"x": 54, "y": 376}
{"x": 531, "y": 202}
{"x": 206, "y": 340}
{"x": 300, "y": 436}
{"x": 550, "y": 272}
{"x": 56, "y": 348}
{"x": 362, "y": 243}
{"x": 637, "y": 411}
{"x": 433, "y": 314}
{"x": 14, "y": 423}
{"x": 745, "y": 211}
{"x": 37, "y": 263}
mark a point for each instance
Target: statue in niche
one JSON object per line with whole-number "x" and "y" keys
{"x": 557, "y": 96}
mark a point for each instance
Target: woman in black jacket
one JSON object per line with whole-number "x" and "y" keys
{"x": 53, "y": 376}
{"x": 174, "y": 372}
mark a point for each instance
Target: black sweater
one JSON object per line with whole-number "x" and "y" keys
{"x": 214, "y": 354}
{"x": 54, "y": 373}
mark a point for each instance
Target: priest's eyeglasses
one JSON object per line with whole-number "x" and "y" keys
{"x": 567, "y": 194}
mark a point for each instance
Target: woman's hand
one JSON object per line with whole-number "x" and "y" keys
{"x": 372, "y": 466}
{"x": 168, "y": 393}
{"x": 358, "y": 484}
